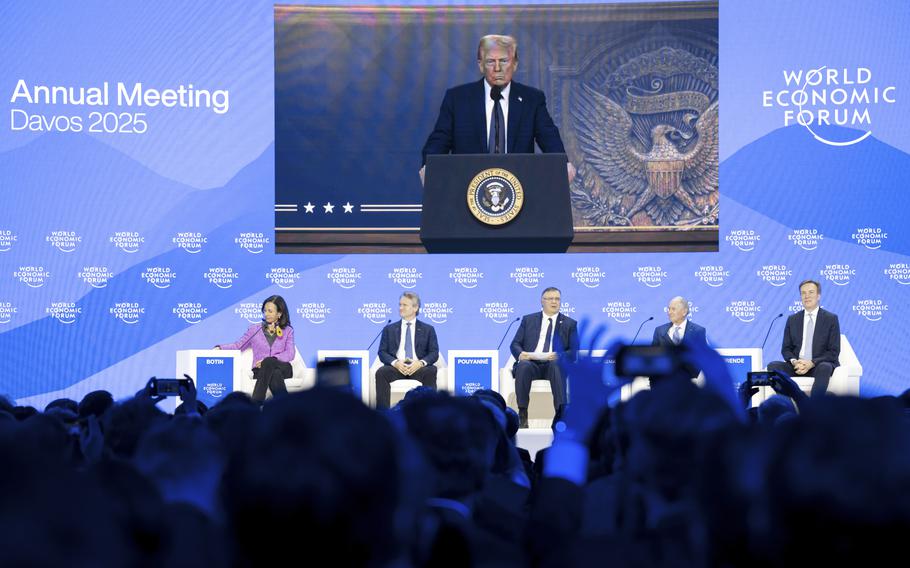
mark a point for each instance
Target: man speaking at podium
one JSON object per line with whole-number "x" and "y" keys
{"x": 494, "y": 115}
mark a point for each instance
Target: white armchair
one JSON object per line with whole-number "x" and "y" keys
{"x": 845, "y": 379}
{"x": 540, "y": 414}
{"x": 401, "y": 387}
{"x": 302, "y": 379}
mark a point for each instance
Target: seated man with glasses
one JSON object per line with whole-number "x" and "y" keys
{"x": 542, "y": 338}
{"x": 494, "y": 114}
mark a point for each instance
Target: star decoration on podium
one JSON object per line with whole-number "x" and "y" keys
{"x": 309, "y": 207}
{"x": 348, "y": 208}
{"x": 329, "y": 208}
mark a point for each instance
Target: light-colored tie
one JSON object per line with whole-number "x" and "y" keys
{"x": 676, "y": 337}
{"x": 806, "y": 351}
{"x": 408, "y": 343}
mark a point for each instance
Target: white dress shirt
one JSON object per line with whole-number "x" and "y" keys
{"x": 682, "y": 330}
{"x": 543, "y": 332}
{"x": 399, "y": 355}
{"x": 803, "y": 347}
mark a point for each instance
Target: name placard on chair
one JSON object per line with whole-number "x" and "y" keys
{"x": 215, "y": 371}
{"x": 359, "y": 362}
{"x": 473, "y": 369}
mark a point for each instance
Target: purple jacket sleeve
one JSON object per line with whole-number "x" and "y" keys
{"x": 243, "y": 341}
{"x": 287, "y": 354}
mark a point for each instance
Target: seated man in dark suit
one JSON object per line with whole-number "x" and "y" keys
{"x": 494, "y": 114}
{"x": 680, "y": 330}
{"x": 811, "y": 346}
{"x": 408, "y": 349}
{"x": 541, "y": 339}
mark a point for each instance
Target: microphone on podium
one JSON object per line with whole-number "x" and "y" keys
{"x": 507, "y": 331}
{"x": 388, "y": 321}
{"x": 639, "y": 330}
{"x": 778, "y": 316}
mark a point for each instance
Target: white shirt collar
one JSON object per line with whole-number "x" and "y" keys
{"x": 545, "y": 316}
{"x": 505, "y": 91}
{"x": 682, "y": 327}
{"x": 813, "y": 313}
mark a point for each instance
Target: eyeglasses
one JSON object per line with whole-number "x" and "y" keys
{"x": 551, "y": 298}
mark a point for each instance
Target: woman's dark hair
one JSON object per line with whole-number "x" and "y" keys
{"x": 282, "y": 306}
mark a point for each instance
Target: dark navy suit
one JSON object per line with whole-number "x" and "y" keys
{"x": 462, "y": 124}
{"x": 693, "y": 333}
{"x": 825, "y": 348}
{"x": 426, "y": 348}
{"x": 526, "y": 371}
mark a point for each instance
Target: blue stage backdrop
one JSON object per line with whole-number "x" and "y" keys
{"x": 137, "y": 175}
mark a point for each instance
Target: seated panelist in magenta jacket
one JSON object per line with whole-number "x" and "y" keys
{"x": 272, "y": 342}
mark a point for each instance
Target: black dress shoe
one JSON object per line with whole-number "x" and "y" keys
{"x": 522, "y": 417}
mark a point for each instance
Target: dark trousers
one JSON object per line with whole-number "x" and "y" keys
{"x": 527, "y": 371}
{"x": 270, "y": 376}
{"x": 821, "y": 372}
{"x": 387, "y": 374}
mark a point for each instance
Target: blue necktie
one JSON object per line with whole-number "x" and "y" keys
{"x": 408, "y": 343}
{"x": 676, "y": 336}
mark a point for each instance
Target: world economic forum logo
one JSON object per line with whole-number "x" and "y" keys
{"x": 466, "y": 276}
{"x": 619, "y": 311}
{"x": 870, "y": 237}
{"x": 283, "y": 277}
{"x": 7, "y": 238}
{"x": 344, "y": 277}
{"x": 376, "y": 312}
{"x": 744, "y": 310}
{"x": 314, "y": 312}
{"x": 567, "y": 308}
{"x": 837, "y": 274}
{"x": 215, "y": 390}
{"x": 253, "y": 243}
{"x": 64, "y": 241}
{"x": 190, "y": 312}
{"x": 775, "y": 274}
{"x": 899, "y": 272}
{"x": 743, "y": 239}
{"x": 127, "y": 241}
{"x": 499, "y": 312}
{"x": 7, "y": 311}
{"x": 405, "y": 276}
{"x": 64, "y": 312}
{"x": 650, "y": 276}
{"x": 159, "y": 276}
{"x": 436, "y": 312}
{"x": 806, "y": 239}
{"x": 221, "y": 276}
{"x": 588, "y": 276}
{"x": 872, "y": 310}
{"x": 32, "y": 276}
{"x": 95, "y": 276}
{"x": 830, "y": 96}
{"x": 249, "y": 311}
{"x": 714, "y": 275}
{"x": 527, "y": 276}
{"x": 190, "y": 241}
{"x": 127, "y": 312}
